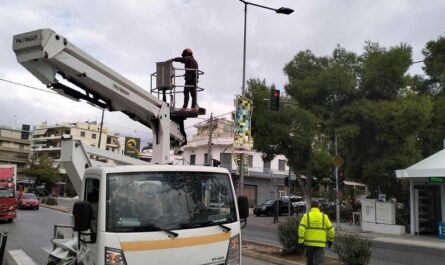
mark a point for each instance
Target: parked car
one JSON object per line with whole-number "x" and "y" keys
{"x": 28, "y": 200}
{"x": 268, "y": 207}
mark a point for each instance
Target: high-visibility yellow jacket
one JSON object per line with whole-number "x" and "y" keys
{"x": 315, "y": 229}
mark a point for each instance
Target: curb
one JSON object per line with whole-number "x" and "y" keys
{"x": 57, "y": 208}
{"x": 268, "y": 258}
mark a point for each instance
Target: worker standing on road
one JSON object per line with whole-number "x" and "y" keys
{"x": 315, "y": 232}
{"x": 191, "y": 77}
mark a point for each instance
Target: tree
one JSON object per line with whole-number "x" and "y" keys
{"x": 291, "y": 131}
{"x": 376, "y": 110}
{"x": 434, "y": 53}
{"x": 44, "y": 171}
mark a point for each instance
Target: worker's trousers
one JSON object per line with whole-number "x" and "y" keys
{"x": 190, "y": 88}
{"x": 315, "y": 255}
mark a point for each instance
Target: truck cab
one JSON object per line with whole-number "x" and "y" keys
{"x": 160, "y": 213}
{"x": 8, "y": 200}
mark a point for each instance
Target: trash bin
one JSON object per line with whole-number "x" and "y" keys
{"x": 442, "y": 230}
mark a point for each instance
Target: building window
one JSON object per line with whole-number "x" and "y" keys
{"x": 226, "y": 160}
{"x": 82, "y": 134}
{"x": 93, "y": 136}
{"x": 250, "y": 161}
{"x": 266, "y": 167}
{"x": 281, "y": 165}
{"x": 192, "y": 159}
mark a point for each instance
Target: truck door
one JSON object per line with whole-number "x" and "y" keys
{"x": 87, "y": 252}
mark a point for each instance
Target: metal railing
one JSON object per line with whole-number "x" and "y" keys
{"x": 3, "y": 239}
{"x": 169, "y": 92}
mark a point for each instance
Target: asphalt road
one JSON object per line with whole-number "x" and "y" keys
{"x": 32, "y": 231}
{"x": 261, "y": 229}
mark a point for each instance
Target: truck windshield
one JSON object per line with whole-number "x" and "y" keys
{"x": 7, "y": 193}
{"x": 156, "y": 201}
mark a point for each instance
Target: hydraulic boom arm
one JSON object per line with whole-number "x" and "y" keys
{"x": 45, "y": 54}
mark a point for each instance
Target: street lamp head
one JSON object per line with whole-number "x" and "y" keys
{"x": 284, "y": 10}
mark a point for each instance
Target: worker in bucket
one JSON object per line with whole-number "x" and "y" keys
{"x": 191, "y": 77}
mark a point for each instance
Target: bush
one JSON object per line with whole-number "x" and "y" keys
{"x": 288, "y": 236}
{"x": 50, "y": 200}
{"x": 352, "y": 249}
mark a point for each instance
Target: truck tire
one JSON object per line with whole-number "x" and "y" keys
{"x": 10, "y": 220}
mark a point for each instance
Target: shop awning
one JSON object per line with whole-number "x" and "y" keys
{"x": 432, "y": 166}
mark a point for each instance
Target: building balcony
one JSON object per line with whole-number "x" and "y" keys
{"x": 47, "y": 138}
{"x": 15, "y": 140}
{"x": 15, "y": 150}
{"x": 46, "y": 149}
{"x": 8, "y": 160}
{"x": 112, "y": 145}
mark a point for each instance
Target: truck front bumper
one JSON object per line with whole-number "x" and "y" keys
{"x": 8, "y": 215}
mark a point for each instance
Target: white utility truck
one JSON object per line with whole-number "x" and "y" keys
{"x": 135, "y": 213}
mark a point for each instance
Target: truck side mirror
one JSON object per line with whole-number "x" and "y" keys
{"x": 83, "y": 214}
{"x": 243, "y": 206}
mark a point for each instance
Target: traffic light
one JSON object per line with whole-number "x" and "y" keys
{"x": 286, "y": 181}
{"x": 341, "y": 178}
{"x": 275, "y": 99}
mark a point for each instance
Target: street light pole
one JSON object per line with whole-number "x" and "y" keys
{"x": 281, "y": 10}
{"x": 101, "y": 126}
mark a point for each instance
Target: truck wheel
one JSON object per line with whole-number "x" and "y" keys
{"x": 37, "y": 207}
{"x": 10, "y": 220}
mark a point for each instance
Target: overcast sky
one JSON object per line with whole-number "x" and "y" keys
{"x": 130, "y": 36}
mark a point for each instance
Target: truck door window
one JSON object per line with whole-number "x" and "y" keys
{"x": 92, "y": 196}
{"x": 92, "y": 190}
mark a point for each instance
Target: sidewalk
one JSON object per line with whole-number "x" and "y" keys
{"x": 57, "y": 208}
{"x": 429, "y": 241}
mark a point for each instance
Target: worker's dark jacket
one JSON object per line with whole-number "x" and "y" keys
{"x": 189, "y": 63}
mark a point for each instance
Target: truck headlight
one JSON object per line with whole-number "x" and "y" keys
{"x": 114, "y": 257}
{"x": 11, "y": 207}
{"x": 233, "y": 253}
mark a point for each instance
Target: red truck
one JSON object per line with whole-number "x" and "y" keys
{"x": 8, "y": 201}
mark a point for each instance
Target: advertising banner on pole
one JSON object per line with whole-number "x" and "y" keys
{"x": 243, "y": 132}
{"x": 132, "y": 147}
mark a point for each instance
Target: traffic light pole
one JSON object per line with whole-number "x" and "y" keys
{"x": 337, "y": 191}
{"x": 288, "y": 189}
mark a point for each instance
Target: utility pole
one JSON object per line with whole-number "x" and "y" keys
{"x": 101, "y": 126}
{"x": 288, "y": 189}
{"x": 337, "y": 192}
{"x": 209, "y": 155}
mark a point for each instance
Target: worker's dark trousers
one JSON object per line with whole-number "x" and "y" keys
{"x": 315, "y": 255}
{"x": 190, "y": 87}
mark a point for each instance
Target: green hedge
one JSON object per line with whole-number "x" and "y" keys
{"x": 353, "y": 249}
{"x": 49, "y": 200}
{"x": 288, "y": 236}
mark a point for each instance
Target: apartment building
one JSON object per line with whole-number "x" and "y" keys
{"x": 264, "y": 179}
{"x": 15, "y": 146}
{"x": 47, "y": 138}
